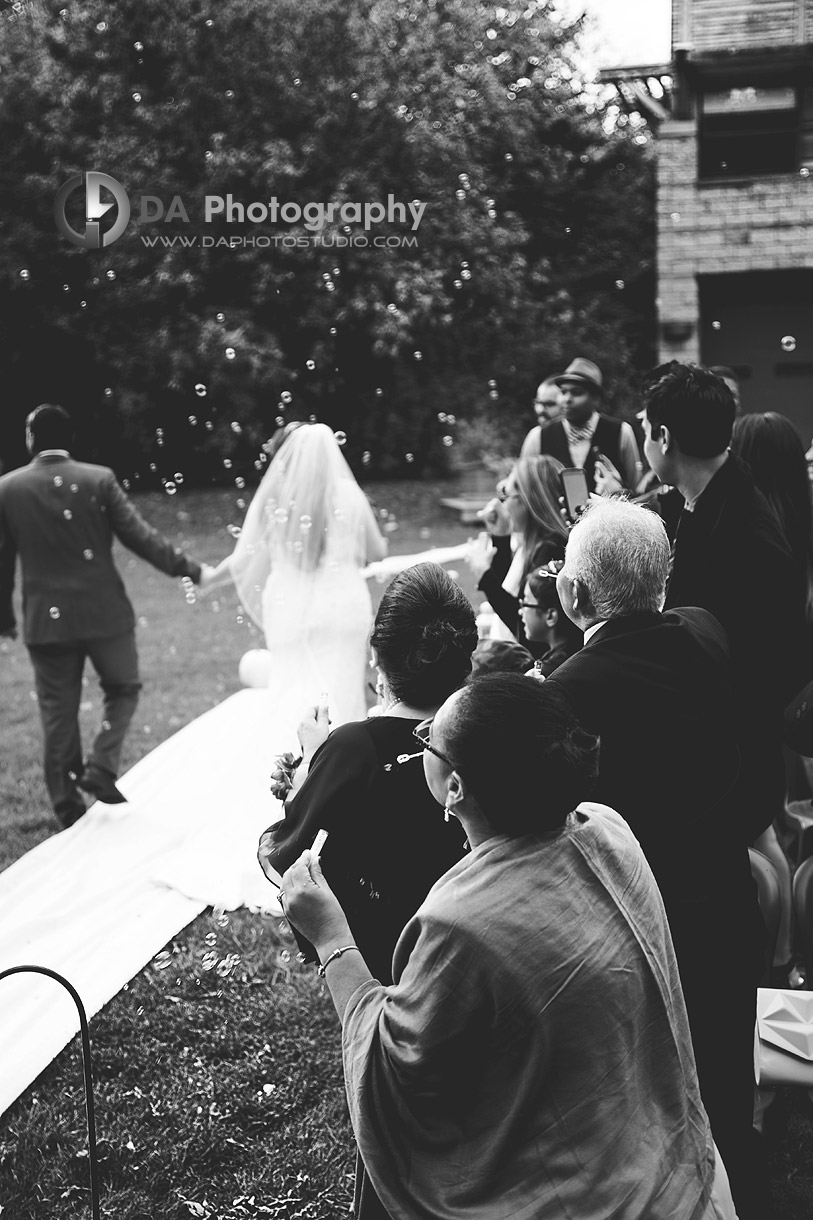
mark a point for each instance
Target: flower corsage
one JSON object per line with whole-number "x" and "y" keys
{"x": 282, "y": 777}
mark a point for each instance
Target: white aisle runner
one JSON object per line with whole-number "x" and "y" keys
{"x": 88, "y": 902}
{"x": 98, "y": 901}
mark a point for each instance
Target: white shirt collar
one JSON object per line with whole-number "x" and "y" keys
{"x": 592, "y": 630}
{"x": 53, "y": 453}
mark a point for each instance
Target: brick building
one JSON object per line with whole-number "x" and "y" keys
{"x": 735, "y": 194}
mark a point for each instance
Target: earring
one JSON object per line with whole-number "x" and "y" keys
{"x": 447, "y": 813}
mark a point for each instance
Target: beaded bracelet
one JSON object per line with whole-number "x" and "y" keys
{"x": 334, "y": 954}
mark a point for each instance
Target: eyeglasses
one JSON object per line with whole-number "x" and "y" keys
{"x": 421, "y": 734}
{"x": 551, "y": 570}
{"x": 503, "y": 495}
{"x": 532, "y": 605}
{"x": 546, "y": 402}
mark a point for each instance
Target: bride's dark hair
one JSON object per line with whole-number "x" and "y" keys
{"x": 424, "y": 635}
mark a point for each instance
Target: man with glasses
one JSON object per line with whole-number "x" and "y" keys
{"x": 547, "y": 405}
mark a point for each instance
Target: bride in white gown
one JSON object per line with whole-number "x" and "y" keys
{"x": 297, "y": 566}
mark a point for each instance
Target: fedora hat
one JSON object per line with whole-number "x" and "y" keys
{"x": 583, "y": 372}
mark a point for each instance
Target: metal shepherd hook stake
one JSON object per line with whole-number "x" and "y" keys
{"x": 83, "y": 1021}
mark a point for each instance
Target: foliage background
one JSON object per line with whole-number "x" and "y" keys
{"x": 536, "y": 243}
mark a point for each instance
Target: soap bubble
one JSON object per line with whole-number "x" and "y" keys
{"x": 716, "y": 325}
{"x": 111, "y": 275}
{"x": 239, "y": 482}
{"x": 341, "y": 438}
{"x": 286, "y": 396}
{"x": 67, "y": 514}
{"x": 305, "y": 523}
{"x": 200, "y": 390}
{"x": 788, "y": 343}
{"x": 409, "y": 457}
{"x": 448, "y": 441}
{"x": 54, "y": 612}
{"x": 193, "y": 419}
{"x": 58, "y": 480}
{"x": 227, "y": 463}
{"x": 230, "y": 353}
{"x": 310, "y": 364}
{"x": 138, "y": 46}
{"x": 234, "y": 530}
{"x": 170, "y": 488}
{"x": 235, "y": 427}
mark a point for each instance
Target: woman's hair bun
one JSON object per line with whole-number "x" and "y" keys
{"x": 437, "y": 638}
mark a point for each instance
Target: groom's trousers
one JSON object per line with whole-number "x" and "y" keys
{"x": 58, "y": 669}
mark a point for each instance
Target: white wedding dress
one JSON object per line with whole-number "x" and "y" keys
{"x": 317, "y": 625}
{"x": 297, "y": 566}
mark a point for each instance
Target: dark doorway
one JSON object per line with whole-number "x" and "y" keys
{"x": 761, "y": 324}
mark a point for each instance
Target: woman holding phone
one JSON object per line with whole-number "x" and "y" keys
{"x": 527, "y": 507}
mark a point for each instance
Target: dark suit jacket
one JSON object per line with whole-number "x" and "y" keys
{"x": 731, "y": 558}
{"x": 60, "y": 516}
{"x": 657, "y": 690}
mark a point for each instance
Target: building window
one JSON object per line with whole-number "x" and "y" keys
{"x": 749, "y": 131}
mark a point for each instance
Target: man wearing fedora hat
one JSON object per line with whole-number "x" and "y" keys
{"x": 583, "y": 435}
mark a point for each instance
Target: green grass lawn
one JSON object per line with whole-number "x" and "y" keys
{"x": 218, "y": 1074}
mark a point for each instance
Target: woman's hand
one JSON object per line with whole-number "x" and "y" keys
{"x": 495, "y": 518}
{"x": 480, "y": 555}
{"x": 212, "y": 577}
{"x": 314, "y": 729}
{"x": 312, "y": 907}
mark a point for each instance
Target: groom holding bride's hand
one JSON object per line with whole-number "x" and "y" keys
{"x": 61, "y": 517}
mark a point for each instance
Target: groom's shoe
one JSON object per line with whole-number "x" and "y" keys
{"x": 101, "y": 784}
{"x": 66, "y": 815}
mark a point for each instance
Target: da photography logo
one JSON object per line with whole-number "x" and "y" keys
{"x": 93, "y": 183}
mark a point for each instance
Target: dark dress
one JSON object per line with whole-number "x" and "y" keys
{"x": 387, "y": 841}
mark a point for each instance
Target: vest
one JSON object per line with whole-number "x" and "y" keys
{"x": 606, "y": 438}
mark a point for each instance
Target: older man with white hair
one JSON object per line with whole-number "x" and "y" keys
{"x": 656, "y": 687}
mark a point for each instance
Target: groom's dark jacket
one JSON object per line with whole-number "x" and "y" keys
{"x": 61, "y": 516}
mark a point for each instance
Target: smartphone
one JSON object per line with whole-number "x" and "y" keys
{"x": 575, "y": 491}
